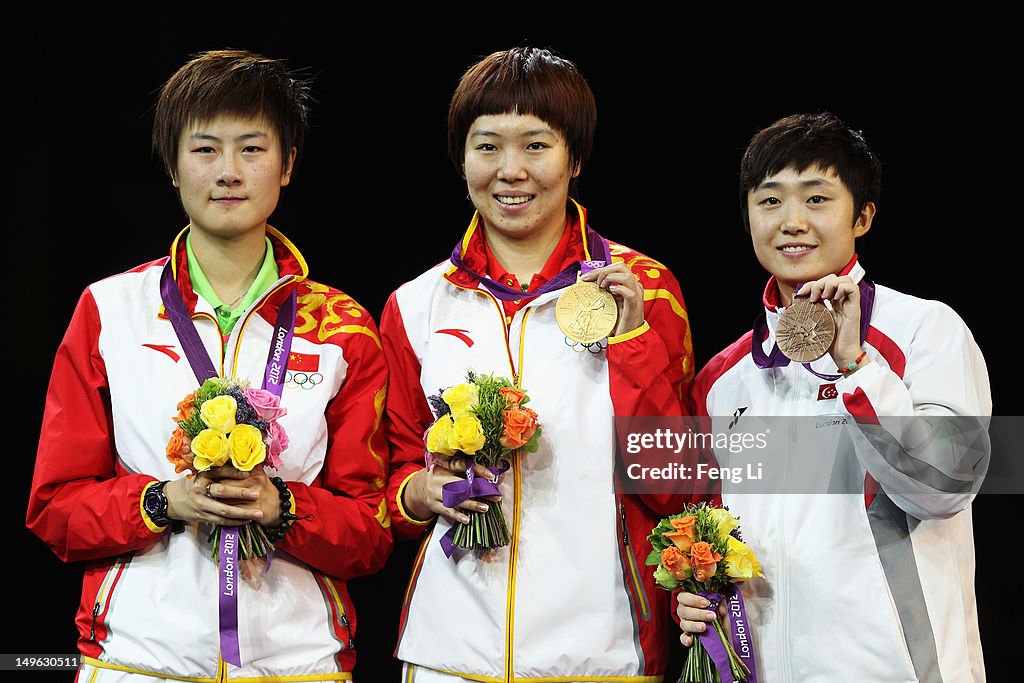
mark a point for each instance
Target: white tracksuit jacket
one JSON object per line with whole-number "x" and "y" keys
{"x": 875, "y": 583}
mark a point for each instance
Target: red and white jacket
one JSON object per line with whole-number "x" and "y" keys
{"x": 150, "y": 597}
{"x": 874, "y": 582}
{"x": 570, "y": 597}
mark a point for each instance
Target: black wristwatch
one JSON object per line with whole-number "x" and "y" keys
{"x": 155, "y": 505}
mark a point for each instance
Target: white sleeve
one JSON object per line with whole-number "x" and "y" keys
{"x": 924, "y": 437}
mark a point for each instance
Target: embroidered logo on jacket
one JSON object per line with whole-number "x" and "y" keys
{"x": 458, "y": 334}
{"x": 165, "y": 349}
{"x": 827, "y": 391}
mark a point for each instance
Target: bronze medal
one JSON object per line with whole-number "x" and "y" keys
{"x": 586, "y": 313}
{"x": 805, "y": 331}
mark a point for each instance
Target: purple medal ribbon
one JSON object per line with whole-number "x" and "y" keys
{"x": 599, "y": 249}
{"x": 776, "y": 359}
{"x": 742, "y": 642}
{"x": 273, "y": 381}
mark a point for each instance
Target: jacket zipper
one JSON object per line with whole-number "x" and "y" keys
{"x": 634, "y": 573}
{"x": 332, "y": 590}
{"x": 101, "y": 594}
{"x": 513, "y": 550}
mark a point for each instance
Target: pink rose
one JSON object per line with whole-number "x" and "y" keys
{"x": 277, "y": 441}
{"x": 266, "y": 404}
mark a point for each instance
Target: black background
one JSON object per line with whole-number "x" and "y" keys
{"x": 375, "y": 201}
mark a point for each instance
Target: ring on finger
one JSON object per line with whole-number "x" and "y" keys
{"x": 208, "y": 494}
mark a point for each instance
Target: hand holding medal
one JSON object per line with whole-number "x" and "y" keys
{"x": 605, "y": 301}
{"x": 824, "y": 318}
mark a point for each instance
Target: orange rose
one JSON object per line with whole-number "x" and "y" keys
{"x": 520, "y": 425}
{"x": 684, "y": 532}
{"x": 179, "y": 451}
{"x": 677, "y": 564}
{"x": 512, "y": 396}
{"x": 704, "y": 560}
{"x": 186, "y": 407}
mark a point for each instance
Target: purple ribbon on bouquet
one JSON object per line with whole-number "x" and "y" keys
{"x": 455, "y": 492}
{"x": 742, "y": 643}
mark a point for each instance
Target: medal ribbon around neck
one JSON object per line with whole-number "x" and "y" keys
{"x": 273, "y": 381}
{"x": 776, "y": 359}
{"x": 599, "y": 249}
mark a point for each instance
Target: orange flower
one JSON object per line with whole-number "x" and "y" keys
{"x": 186, "y": 407}
{"x": 179, "y": 451}
{"x": 704, "y": 560}
{"x": 677, "y": 564}
{"x": 512, "y": 396}
{"x": 520, "y": 425}
{"x": 684, "y": 533}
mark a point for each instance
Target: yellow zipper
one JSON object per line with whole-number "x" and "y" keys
{"x": 634, "y": 572}
{"x": 101, "y": 596}
{"x": 513, "y": 550}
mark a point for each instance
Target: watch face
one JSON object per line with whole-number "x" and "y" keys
{"x": 151, "y": 503}
{"x": 155, "y": 503}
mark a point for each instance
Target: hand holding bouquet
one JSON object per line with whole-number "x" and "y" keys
{"x": 485, "y": 421}
{"x": 227, "y": 421}
{"x": 701, "y": 551}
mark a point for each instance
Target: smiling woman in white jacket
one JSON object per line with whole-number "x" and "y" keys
{"x": 869, "y": 575}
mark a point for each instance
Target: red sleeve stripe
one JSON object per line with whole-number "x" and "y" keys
{"x": 888, "y": 349}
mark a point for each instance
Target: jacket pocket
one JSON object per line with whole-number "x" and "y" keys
{"x": 105, "y": 592}
{"x": 335, "y": 599}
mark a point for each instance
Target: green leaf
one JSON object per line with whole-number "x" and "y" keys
{"x": 533, "y": 444}
{"x": 665, "y": 579}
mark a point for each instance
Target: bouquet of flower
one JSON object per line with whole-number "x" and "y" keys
{"x": 701, "y": 551}
{"x": 226, "y": 420}
{"x": 485, "y": 421}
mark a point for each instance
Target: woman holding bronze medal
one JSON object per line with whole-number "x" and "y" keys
{"x": 590, "y": 330}
{"x": 870, "y": 574}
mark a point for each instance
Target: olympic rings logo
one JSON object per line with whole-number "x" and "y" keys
{"x": 593, "y": 348}
{"x": 303, "y": 380}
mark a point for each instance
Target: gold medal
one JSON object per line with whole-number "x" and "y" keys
{"x": 586, "y": 313}
{"x": 805, "y": 331}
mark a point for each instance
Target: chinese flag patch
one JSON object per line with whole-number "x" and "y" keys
{"x": 827, "y": 391}
{"x": 303, "y": 362}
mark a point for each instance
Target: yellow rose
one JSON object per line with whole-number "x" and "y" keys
{"x": 211, "y": 449}
{"x": 467, "y": 434}
{"x": 740, "y": 561}
{"x": 461, "y": 398}
{"x": 245, "y": 443}
{"x": 725, "y": 521}
{"x": 219, "y": 413}
{"x": 438, "y": 436}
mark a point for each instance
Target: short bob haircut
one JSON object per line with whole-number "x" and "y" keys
{"x": 528, "y": 81}
{"x": 805, "y": 140}
{"x": 232, "y": 83}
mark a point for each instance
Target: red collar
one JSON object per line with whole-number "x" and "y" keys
{"x": 478, "y": 257}
{"x": 770, "y": 298}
